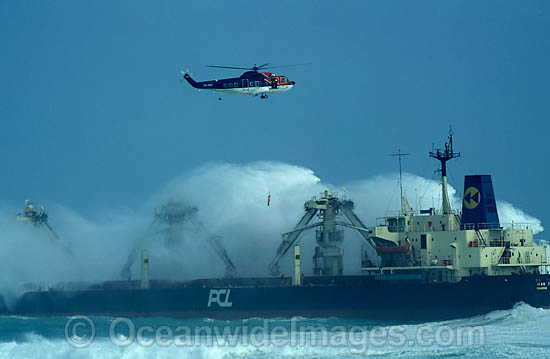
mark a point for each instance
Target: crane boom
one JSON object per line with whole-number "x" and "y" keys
{"x": 347, "y": 209}
{"x": 50, "y": 230}
{"x": 289, "y": 239}
{"x": 215, "y": 243}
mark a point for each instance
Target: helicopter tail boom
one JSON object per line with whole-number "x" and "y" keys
{"x": 192, "y": 82}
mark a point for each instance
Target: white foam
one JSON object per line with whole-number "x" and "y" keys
{"x": 521, "y": 327}
{"x": 232, "y": 202}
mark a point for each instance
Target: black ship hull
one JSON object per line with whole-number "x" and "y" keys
{"x": 368, "y": 297}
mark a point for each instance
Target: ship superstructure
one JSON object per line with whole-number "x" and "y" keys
{"x": 446, "y": 246}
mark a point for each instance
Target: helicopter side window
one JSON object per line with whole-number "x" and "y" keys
{"x": 224, "y": 85}
{"x": 251, "y": 83}
{"x": 235, "y": 85}
{"x": 230, "y": 85}
{"x": 257, "y": 83}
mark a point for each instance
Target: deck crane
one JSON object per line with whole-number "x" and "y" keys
{"x": 37, "y": 217}
{"x": 328, "y": 258}
{"x": 168, "y": 221}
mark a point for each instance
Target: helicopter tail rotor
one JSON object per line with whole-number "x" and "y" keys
{"x": 185, "y": 72}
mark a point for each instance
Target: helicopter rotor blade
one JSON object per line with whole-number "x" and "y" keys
{"x": 277, "y": 67}
{"x": 256, "y": 68}
{"x": 261, "y": 66}
{"x": 230, "y": 67}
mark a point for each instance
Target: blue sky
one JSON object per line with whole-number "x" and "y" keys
{"x": 93, "y": 116}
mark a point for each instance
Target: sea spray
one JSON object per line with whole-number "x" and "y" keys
{"x": 231, "y": 201}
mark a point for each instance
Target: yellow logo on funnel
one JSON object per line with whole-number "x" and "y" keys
{"x": 472, "y": 197}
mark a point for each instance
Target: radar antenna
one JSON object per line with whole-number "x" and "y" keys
{"x": 443, "y": 156}
{"x": 399, "y": 155}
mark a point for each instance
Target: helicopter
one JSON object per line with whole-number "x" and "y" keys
{"x": 252, "y": 82}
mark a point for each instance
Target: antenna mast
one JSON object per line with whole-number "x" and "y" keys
{"x": 443, "y": 156}
{"x": 399, "y": 154}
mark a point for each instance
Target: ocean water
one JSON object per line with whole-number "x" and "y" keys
{"x": 521, "y": 332}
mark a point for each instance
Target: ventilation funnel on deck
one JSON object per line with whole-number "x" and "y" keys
{"x": 479, "y": 209}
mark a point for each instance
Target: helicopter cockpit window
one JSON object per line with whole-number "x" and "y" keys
{"x": 283, "y": 80}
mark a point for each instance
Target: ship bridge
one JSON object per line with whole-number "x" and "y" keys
{"x": 446, "y": 245}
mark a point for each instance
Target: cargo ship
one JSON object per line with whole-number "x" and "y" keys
{"x": 430, "y": 264}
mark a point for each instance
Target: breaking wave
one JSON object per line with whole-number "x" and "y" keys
{"x": 520, "y": 332}
{"x": 232, "y": 203}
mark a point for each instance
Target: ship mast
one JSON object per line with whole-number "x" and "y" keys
{"x": 399, "y": 155}
{"x": 443, "y": 156}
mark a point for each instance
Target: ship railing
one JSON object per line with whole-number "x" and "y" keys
{"x": 410, "y": 212}
{"x": 383, "y": 221}
{"x": 413, "y": 212}
{"x": 396, "y": 229}
{"x": 477, "y": 226}
{"x": 519, "y": 261}
{"x": 391, "y": 214}
{"x": 513, "y": 225}
{"x": 418, "y": 228}
{"x": 499, "y": 243}
{"x": 44, "y": 287}
{"x": 34, "y": 287}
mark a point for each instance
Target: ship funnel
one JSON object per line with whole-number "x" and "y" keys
{"x": 479, "y": 209}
